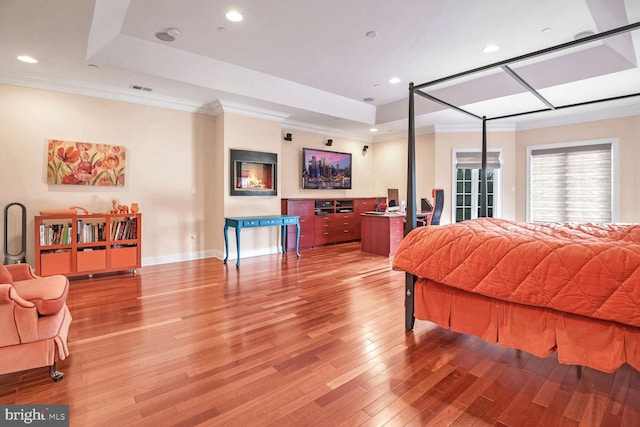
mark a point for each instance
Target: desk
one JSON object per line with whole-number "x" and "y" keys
{"x": 381, "y": 234}
{"x": 260, "y": 221}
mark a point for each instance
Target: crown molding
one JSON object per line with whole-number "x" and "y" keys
{"x": 474, "y": 127}
{"x": 612, "y": 113}
{"x": 37, "y": 81}
{"x": 222, "y": 106}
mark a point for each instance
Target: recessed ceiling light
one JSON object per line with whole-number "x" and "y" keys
{"x": 368, "y": 99}
{"x": 490, "y": 48}
{"x": 234, "y": 16}
{"x": 373, "y": 130}
{"x": 546, "y": 30}
{"x": 394, "y": 80}
{"x": 372, "y": 34}
{"x": 28, "y": 59}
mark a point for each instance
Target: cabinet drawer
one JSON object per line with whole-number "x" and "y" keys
{"x": 306, "y": 222}
{"x": 306, "y": 234}
{"x": 350, "y": 216}
{"x": 344, "y": 234}
{"x": 363, "y": 205}
{"x": 124, "y": 257}
{"x": 55, "y": 263}
{"x": 323, "y": 219}
{"x": 306, "y": 241}
{"x": 323, "y": 239}
{"x": 300, "y": 208}
{"x": 91, "y": 260}
{"x": 397, "y": 230}
{"x": 343, "y": 223}
{"x": 273, "y": 221}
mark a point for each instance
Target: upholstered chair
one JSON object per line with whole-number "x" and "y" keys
{"x": 34, "y": 320}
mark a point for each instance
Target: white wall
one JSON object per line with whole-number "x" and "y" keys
{"x": 391, "y": 163}
{"x": 177, "y": 169}
{"x": 363, "y": 170}
{"x": 167, "y": 157}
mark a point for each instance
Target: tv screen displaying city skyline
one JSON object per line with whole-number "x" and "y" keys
{"x": 325, "y": 170}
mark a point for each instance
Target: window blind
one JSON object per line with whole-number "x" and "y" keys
{"x": 571, "y": 184}
{"x": 473, "y": 160}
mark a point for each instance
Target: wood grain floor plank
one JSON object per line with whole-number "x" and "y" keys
{"x": 288, "y": 342}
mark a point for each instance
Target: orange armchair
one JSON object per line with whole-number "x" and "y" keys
{"x": 34, "y": 320}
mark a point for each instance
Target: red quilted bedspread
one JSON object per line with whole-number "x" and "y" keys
{"x": 591, "y": 270}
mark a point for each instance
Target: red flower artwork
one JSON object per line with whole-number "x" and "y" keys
{"x": 84, "y": 163}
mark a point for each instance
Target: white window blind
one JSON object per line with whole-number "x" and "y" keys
{"x": 571, "y": 184}
{"x": 473, "y": 160}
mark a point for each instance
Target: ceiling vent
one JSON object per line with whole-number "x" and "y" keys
{"x": 167, "y": 35}
{"x": 142, "y": 88}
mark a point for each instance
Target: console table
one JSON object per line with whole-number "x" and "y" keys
{"x": 260, "y": 221}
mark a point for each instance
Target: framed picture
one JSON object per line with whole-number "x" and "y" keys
{"x": 85, "y": 163}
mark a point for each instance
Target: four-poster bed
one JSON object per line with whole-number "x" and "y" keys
{"x": 570, "y": 289}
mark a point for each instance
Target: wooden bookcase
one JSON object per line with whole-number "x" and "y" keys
{"x": 78, "y": 245}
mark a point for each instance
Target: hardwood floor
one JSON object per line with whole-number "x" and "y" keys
{"x": 281, "y": 341}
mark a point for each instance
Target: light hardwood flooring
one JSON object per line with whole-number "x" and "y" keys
{"x": 316, "y": 341}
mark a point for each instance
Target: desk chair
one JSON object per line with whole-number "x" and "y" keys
{"x": 438, "y": 205}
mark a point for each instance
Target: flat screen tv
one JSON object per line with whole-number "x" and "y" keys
{"x": 325, "y": 170}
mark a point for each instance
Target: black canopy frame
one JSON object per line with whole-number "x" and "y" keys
{"x": 420, "y": 90}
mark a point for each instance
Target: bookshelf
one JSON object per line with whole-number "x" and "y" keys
{"x": 77, "y": 245}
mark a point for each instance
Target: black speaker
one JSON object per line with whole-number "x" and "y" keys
{"x": 288, "y": 137}
{"x": 329, "y": 142}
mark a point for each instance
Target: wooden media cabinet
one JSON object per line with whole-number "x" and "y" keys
{"x": 327, "y": 220}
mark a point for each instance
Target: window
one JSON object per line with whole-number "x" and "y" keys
{"x": 468, "y": 184}
{"x": 571, "y": 182}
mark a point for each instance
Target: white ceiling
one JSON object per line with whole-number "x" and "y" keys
{"x": 311, "y": 64}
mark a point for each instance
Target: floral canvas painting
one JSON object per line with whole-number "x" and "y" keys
{"x": 85, "y": 163}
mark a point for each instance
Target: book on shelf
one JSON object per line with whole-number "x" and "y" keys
{"x": 55, "y": 234}
{"x": 124, "y": 229}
